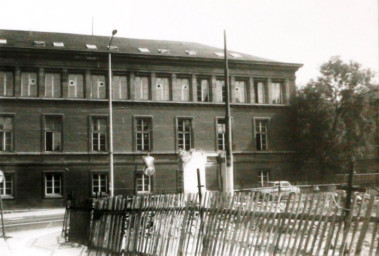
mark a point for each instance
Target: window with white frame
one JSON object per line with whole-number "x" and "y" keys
{"x": 53, "y": 133}
{"x": 143, "y": 129}
{"x": 29, "y": 84}
{"x": 184, "y": 133}
{"x": 75, "y": 86}
{"x": 98, "y": 87}
{"x": 277, "y": 93}
{"x": 119, "y": 88}
{"x": 52, "y": 85}
{"x": 260, "y": 89}
{"x": 220, "y": 91}
{"x": 263, "y": 177}
{"x": 99, "y": 183}
{"x": 220, "y": 133}
{"x": 6, "y": 133}
{"x": 99, "y": 133}
{"x": 143, "y": 183}
{"x": 162, "y": 88}
{"x": 203, "y": 90}
{"x": 141, "y": 88}
{"x": 183, "y": 88}
{"x": 240, "y": 91}
{"x": 261, "y": 132}
{"x": 53, "y": 184}
{"x": 6, "y": 187}
{"x": 6, "y": 83}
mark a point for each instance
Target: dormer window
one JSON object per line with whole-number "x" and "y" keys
{"x": 113, "y": 48}
{"x": 163, "y": 50}
{"x": 190, "y": 52}
{"x": 144, "y": 50}
{"x": 91, "y": 46}
{"x": 219, "y": 54}
{"x": 58, "y": 44}
{"x": 39, "y": 43}
{"x": 3, "y": 41}
{"x": 235, "y": 55}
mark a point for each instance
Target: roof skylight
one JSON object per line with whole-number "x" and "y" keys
{"x": 219, "y": 54}
{"x": 163, "y": 50}
{"x": 236, "y": 55}
{"x": 143, "y": 50}
{"x": 39, "y": 43}
{"x": 113, "y": 47}
{"x": 58, "y": 44}
{"x": 190, "y": 52}
{"x": 91, "y": 46}
{"x": 3, "y": 41}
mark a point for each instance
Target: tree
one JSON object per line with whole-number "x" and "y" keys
{"x": 334, "y": 123}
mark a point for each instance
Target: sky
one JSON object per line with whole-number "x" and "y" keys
{"x": 296, "y": 31}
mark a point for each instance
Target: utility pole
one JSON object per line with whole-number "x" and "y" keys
{"x": 228, "y": 179}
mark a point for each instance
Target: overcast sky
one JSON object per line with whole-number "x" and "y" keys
{"x": 297, "y": 31}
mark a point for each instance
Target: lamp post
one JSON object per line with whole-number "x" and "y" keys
{"x": 110, "y": 94}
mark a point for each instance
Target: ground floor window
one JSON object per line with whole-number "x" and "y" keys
{"x": 99, "y": 183}
{"x": 6, "y": 187}
{"x": 263, "y": 177}
{"x": 53, "y": 184}
{"x": 143, "y": 183}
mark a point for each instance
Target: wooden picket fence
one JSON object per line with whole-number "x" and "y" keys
{"x": 242, "y": 224}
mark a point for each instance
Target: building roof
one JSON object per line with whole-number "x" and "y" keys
{"x": 86, "y": 43}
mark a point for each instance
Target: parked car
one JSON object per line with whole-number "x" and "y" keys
{"x": 283, "y": 187}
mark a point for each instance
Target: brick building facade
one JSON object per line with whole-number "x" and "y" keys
{"x": 166, "y": 96}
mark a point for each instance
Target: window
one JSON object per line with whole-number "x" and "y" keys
{"x": 184, "y": 133}
{"x": 119, "y": 88}
{"x": 53, "y": 133}
{"x": 260, "y": 89}
{"x": 203, "y": 90}
{"x": 141, "y": 88}
{"x": 3, "y": 41}
{"x": 6, "y": 83}
{"x": 29, "y": 84}
{"x": 162, "y": 88}
{"x": 99, "y": 131}
{"x": 52, "y": 85}
{"x": 75, "y": 86}
{"x": 53, "y": 185}
{"x": 263, "y": 177}
{"x": 99, "y": 183}
{"x": 221, "y": 129}
{"x": 261, "y": 134}
{"x": 143, "y": 183}
{"x": 98, "y": 87}
{"x": 6, "y": 133}
{"x": 144, "y": 50}
{"x": 91, "y": 46}
{"x": 277, "y": 92}
{"x": 220, "y": 91}
{"x": 182, "y": 85}
{"x": 143, "y": 128}
{"x": 58, "y": 44}
{"x": 39, "y": 43}
{"x": 6, "y": 187}
{"x": 240, "y": 91}
{"x": 191, "y": 52}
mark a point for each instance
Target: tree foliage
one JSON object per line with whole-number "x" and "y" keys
{"x": 334, "y": 123}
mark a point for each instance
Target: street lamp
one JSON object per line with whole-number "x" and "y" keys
{"x": 111, "y": 181}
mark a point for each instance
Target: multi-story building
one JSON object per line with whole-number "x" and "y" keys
{"x": 167, "y": 96}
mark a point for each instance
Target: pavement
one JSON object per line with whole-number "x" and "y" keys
{"x": 36, "y": 240}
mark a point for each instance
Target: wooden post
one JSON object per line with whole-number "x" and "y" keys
{"x": 2, "y": 217}
{"x": 350, "y": 187}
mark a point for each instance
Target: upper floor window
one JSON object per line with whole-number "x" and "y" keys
{"x": 143, "y": 130}
{"x": 277, "y": 93}
{"x": 99, "y": 183}
{"x": 6, "y": 83}
{"x": 6, "y": 187}
{"x": 184, "y": 133}
{"x": 53, "y": 184}
{"x": 119, "y": 88}
{"x": 143, "y": 183}
{"x": 183, "y": 89}
{"x": 260, "y": 89}
{"x": 29, "y": 84}
{"x": 220, "y": 133}
{"x": 261, "y": 132}
{"x": 53, "y": 133}
{"x": 141, "y": 88}
{"x": 162, "y": 88}
{"x": 98, "y": 87}
{"x": 203, "y": 94}
{"x": 240, "y": 91}
{"x": 75, "y": 86}
{"x": 52, "y": 85}
{"x": 6, "y": 133}
{"x": 220, "y": 91}
{"x": 99, "y": 133}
